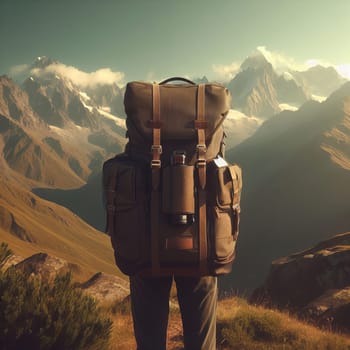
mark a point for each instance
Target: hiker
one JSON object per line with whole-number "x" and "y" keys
{"x": 173, "y": 207}
{"x": 150, "y": 308}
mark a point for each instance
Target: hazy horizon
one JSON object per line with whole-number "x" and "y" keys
{"x": 155, "y": 39}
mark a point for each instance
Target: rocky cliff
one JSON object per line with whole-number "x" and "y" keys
{"x": 314, "y": 283}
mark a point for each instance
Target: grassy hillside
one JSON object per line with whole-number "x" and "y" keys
{"x": 51, "y": 229}
{"x": 240, "y": 327}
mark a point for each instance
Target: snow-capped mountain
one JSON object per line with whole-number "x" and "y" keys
{"x": 257, "y": 90}
{"x": 54, "y": 133}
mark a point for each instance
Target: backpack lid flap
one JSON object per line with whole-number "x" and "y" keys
{"x": 178, "y": 109}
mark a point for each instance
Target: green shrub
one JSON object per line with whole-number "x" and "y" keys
{"x": 37, "y": 315}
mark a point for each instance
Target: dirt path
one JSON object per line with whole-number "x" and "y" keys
{"x": 175, "y": 338}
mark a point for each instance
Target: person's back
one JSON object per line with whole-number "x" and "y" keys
{"x": 173, "y": 207}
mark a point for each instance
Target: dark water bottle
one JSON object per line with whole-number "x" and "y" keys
{"x": 182, "y": 197}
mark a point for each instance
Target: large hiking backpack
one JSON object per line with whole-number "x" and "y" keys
{"x": 172, "y": 201}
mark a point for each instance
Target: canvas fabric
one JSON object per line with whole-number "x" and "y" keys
{"x": 173, "y": 202}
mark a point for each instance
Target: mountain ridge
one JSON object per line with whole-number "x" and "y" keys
{"x": 295, "y": 192}
{"x": 52, "y": 229}
{"x": 259, "y": 91}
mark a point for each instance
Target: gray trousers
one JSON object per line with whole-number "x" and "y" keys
{"x": 150, "y": 310}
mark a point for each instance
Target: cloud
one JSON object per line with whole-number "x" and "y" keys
{"x": 15, "y": 71}
{"x": 343, "y": 70}
{"x": 226, "y": 72}
{"x": 83, "y": 79}
{"x": 317, "y": 62}
{"x": 280, "y": 61}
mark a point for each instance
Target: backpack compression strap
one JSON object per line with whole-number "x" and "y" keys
{"x": 155, "y": 194}
{"x": 200, "y": 125}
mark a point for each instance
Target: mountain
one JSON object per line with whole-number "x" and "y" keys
{"x": 296, "y": 170}
{"x": 31, "y": 225}
{"x": 238, "y": 127}
{"x": 24, "y": 141}
{"x": 53, "y": 133}
{"x": 321, "y": 81}
{"x": 108, "y": 97}
{"x": 59, "y": 97}
{"x": 257, "y": 90}
{"x": 59, "y": 150}
{"x": 86, "y": 201}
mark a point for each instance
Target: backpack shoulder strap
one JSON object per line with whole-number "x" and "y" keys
{"x": 155, "y": 168}
{"x": 202, "y": 170}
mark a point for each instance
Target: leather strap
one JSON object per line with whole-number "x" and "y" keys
{"x": 156, "y": 148}
{"x": 179, "y": 243}
{"x": 201, "y": 166}
{"x": 177, "y": 79}
{"x": 155, "y": 194}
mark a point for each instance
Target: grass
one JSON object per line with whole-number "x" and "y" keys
{"x": 241, "y": 326}
{"x": 122, "y": 336}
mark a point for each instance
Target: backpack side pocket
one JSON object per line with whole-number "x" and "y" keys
{"x": 223, "y": 207}
{"x": 126, "y": 204}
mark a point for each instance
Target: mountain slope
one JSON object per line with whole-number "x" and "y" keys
{"x": 22, "y": 143}
{"x": 62, "y": 155}
{"x": 31, "y": 225}
{"x": 296, "y": 184}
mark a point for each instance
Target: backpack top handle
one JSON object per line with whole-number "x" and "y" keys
{"x": 177, "y": 79}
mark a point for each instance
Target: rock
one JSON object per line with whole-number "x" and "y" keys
{"x": 331, "y": 309}
{"x": 44, "y": 265}
{"x": 298, "y": 279}
{"x": 101, "y": 286}
{"x": 314, "y": 284}
{"x": 106, "y": 288}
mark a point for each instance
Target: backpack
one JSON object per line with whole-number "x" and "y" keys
{"x": 172, "y": 201}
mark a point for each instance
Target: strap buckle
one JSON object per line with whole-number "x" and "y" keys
{"x": 155, "y": 163}
{"x": 156, "y": 151}
{"x": 111, "y": 208}
{"x": 157, "y": 148}
{"x": 201, "y": 163}
{"x": 201, "y": 148}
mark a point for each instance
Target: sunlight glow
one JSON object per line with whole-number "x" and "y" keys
{"x": 344, "y": 70}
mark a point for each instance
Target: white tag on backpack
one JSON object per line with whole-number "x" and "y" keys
{"x": 220, "y": 162}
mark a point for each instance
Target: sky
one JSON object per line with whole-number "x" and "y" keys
{"x": 154, "y": 39}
